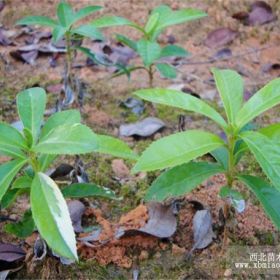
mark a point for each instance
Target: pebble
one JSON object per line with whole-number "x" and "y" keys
{"x": 143, "y": 255}
{"x": 228, "y": 272}
{"x": 177, "y": 251}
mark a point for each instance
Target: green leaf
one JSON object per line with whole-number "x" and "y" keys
{"x": 114, "y": 147}
{"x": 221, "y": 156}
{"x": 264, "y": 99}
{"x": 271, "y": 131}
{"x": 11, "y": 141}
{"x": 51, "y": 216}
{"x": 180, "y": 16}
{"x": 88, "y": 31}
{"x": 266, "y": 152}
{"x": 173, "y": 50}
{"x": 181, "y": 100}
{"x": 23, "y": 228}
{"x": 37, "y": 20}
{"x": 166, "y": 70}
{"x": 28, "y": 136}
{"x": 65, "y": 14}
{"x": 68, "y": 139}
{"x": 9, "y": 151}
{"x": 58, "y": 33}
{"x": 163, "y": 11}
{"x": 7, "y": 173}
{"x": 268, "y": 196}
{"x": 11, "y": 136}
{"x": 240, "y": 146}
{"x": 149, "y": 51}
{"x": 151, "y": 23}
{"x": 45, "y": 161}
{"x": 31, "y": 105}
{"x": 60, "y": 118}
{"x": 230, "y": 86}
{"x": 80, "y": 190}
{"x": 176, "y": 149}
{"x": 101, "y": 61}
{"x": 126, "y": 41}
{"x": 181, "y": 180}
{"x": 86, "y": 11}
{"x": 22, "y": 182}
{"x": 226, "y": 191}
{"x": 108, "y": 21}
{"x": 9, "y": 197}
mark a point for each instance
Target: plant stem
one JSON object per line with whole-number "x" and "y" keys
{"x": 230, "y": 179}
{"x": 68, "y": 56}
{"x": 151, "y": 76}
{"x": 151, "y": 85}
{"x": 231, "y": 164}
{"x": 34, "y": 162}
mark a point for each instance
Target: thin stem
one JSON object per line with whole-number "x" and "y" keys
{"x": 34, "y": 162}
{"x": 230, "y": 174}
{"x": 151, "y": 76}
{"x": 68, "y": 56}
{"x": 231, "y": 164}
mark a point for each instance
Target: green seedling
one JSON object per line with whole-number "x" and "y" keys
{"x": 65, "y": 26}
{"x": 177, "y": 152}
{"x": 32, "y": 151}
{"x": 152, "y": 54}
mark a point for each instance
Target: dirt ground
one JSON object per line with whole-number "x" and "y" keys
{"x": 254, "y": 53}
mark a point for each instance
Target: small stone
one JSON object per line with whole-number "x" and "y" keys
{"x": 228, "y": 272}
{"x": 177, "y": 251}
{"x": 157, "y": 136}
{"x": 163, "y": 245}
{"x": 13, "y": 216}
{"x": 143, "y": 255}
{"x": 120, "y": 169}
{"x": 158, "y": 255}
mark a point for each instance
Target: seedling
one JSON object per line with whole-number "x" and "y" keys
{"x": 177, "y": 152}
{"x": 65, "y": 26}
{"x": 33, "y": 150}
{"x": 147, "y": 47}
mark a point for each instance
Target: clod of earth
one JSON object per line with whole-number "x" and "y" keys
{"x": 140, "y": 228}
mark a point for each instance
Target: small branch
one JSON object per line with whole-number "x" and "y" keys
{"x": 213, "y": 60}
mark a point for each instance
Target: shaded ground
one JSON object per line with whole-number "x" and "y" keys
{"x": 254, "y": 49}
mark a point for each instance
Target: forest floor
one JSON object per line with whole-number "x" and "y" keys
{"x": 253, "y": 51}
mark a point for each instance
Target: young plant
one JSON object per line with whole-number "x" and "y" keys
{"x": 177, "y": 152}
{"x": 32, "y": 151}
{"x": 65, "y": 26}
{"x": 147, "y": 47}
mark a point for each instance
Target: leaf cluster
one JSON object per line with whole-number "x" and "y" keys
{"x": 177, "y": 153}
{"x": 32, "y": 151}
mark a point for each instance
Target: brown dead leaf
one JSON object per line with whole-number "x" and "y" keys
{"x": 220, "y": 37}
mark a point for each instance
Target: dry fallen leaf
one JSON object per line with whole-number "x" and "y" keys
{"x": 220, "y": 37}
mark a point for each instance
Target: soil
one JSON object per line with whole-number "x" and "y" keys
{"x": 255, "y": 49}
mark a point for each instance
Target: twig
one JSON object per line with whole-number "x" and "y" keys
{"x": 213, "y": 60}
